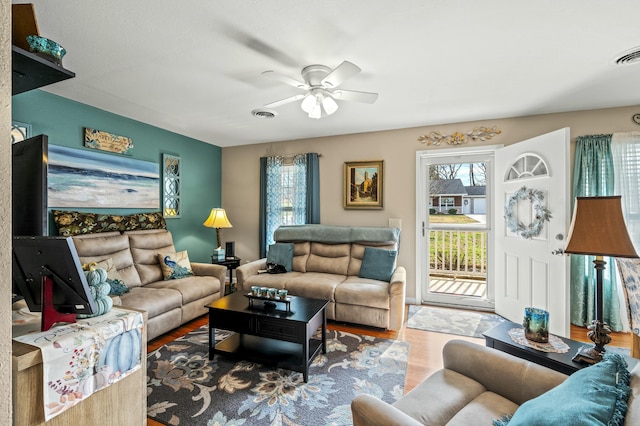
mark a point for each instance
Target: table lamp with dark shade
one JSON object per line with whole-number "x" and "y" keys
{"x": 598, "y": 229}
{"x": 218, "y": 219}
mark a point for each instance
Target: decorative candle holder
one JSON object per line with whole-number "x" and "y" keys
{"x": 272, "y": 292}
{"x": 536, "y": 325}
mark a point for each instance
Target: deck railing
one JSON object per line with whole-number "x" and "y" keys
{"x": 458, "y": 253}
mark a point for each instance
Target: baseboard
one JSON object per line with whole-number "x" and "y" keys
{"x": 410, "y": 301}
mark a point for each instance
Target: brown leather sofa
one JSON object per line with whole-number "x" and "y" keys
{"x": 170, "y": 303}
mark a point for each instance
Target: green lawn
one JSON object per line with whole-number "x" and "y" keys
{"x": 458, "y": 250}
{"x": 450, "y": 218}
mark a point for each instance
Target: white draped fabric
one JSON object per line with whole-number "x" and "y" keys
{"x": 625, "y": 149}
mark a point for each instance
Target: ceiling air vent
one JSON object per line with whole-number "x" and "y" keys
{"x": 629, "y": 57}
{"x": 263, "y": 113}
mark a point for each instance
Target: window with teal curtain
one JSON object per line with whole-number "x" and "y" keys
{"x": 593, "y": 175}
{"x": 274, "y": 192}
{"x": 289, "y": 194}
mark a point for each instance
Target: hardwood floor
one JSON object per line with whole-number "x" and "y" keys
{"x": 425, "y": 353}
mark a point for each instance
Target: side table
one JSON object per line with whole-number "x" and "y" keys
{"x": 498, "y": 338}
{"x": 231, "y": 264}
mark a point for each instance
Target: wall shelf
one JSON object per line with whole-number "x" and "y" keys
{"x": 31, "y": 71}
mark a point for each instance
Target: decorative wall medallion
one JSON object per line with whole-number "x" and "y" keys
{"x": 478, "y": 134}
{"x": 104, "y": 141}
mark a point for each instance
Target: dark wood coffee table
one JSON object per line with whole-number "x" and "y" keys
{"x": 269, "y": 335}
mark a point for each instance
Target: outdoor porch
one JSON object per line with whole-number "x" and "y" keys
{"x": 458, "y": 286}
{"x": 457, "y": 263}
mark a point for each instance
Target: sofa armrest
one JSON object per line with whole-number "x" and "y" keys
{"x": 249, "y": 269}
{"x": 368, "y": 410}
{"x": 208, "y": 269}
{"x": 514, "y": 378}
{"x": 397, "y": 293}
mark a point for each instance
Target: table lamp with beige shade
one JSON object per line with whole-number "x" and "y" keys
{"x": 598, "y": 229}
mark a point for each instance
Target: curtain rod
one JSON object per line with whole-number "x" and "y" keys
{"x": 289, "y": 157}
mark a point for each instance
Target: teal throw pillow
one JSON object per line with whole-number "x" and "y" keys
{"x": 378, "y": 264}
{"x": 281, "y": 254}
{"x": 118, "y": 288}
{"x": 596, "y": 395}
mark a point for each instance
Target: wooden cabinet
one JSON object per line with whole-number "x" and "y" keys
{"x": 124, "y": 403}
{"x": 30, "y": 71}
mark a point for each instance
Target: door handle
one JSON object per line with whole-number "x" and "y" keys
{"x": 557, "y": 252}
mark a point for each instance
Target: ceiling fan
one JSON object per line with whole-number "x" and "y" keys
{"x": 320, "y": 84}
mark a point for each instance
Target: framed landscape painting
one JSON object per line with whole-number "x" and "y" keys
{"x": 363, "y": 182}
{"x": 83, "y": 178}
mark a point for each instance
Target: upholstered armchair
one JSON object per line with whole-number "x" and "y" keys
{"x": 630, "y": 274}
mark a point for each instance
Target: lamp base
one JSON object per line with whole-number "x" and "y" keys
{"x": 587, "y": 355}
{"x": 599, "y": 335}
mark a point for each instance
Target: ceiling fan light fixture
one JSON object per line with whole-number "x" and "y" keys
{"x": 308, "y": 103}
{"x": 330, "y": 106}
{"x": 316, "y": 112}
{"x": 319, "y": 82}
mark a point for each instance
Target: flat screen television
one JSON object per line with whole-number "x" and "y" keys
{"x": 48, "y": 274}
{"x": 29, "y": 186}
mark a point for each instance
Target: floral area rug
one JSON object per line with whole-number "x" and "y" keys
{"x": 185, "y": 388}
{"x": 451, "y": 321}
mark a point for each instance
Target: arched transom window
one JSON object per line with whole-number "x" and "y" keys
{"x": 527, "y": 166}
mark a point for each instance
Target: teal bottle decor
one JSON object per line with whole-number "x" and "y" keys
{"x": 536, "y": 325}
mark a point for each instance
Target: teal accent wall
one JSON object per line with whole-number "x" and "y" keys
{"x": 64, "y": 120}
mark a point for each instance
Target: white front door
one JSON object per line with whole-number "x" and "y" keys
{"x": 527, "y": 272}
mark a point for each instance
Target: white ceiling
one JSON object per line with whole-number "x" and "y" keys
{"x": 194, "y": 67}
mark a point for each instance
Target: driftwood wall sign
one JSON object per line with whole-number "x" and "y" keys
{"x": 104, "y": 141}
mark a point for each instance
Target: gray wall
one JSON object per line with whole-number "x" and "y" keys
{"x": 240, "y": 172}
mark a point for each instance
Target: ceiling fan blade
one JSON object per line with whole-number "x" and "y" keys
{"x": 352, "y": 95}
{"x": 340, "y": 74}
{"x": 285, "y": 101}
{"x": 285, "y": 79}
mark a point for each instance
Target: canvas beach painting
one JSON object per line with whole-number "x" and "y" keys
{"x": 81, "y": 178}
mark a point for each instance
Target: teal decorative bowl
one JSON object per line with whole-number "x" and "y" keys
{"x": 46, "y": 48}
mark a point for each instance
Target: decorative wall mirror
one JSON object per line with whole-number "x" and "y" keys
{"x": 20, "y": 131}
{"x": 171, "y": 185}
